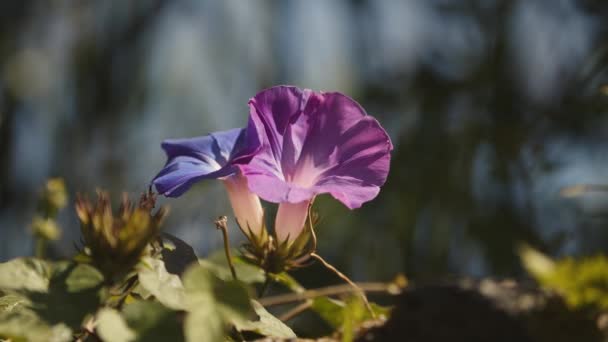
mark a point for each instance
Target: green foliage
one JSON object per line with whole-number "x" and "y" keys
{"x": 112, "y": 326}
{"x": 25, "y": 274}
{"x": 213, "y": 301}
{"x": 166, "y": 287}
{"x": 45, "y": 301}
{"x": 247, "y": 272}
{"x": 266, "y": 325}
{"x": 151, "y": 321}
{"x": 582, "y": 282}
{"x": 25, "y": 325}
{"x": 130, "y": 283}
{"x": 347, "y": 315}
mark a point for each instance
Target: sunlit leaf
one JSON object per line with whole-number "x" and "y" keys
{"x": 266, "y": 324}
{"x": 111, "y": 327}
{"x": 535, "y": 262}
{"x": 354, "y": 313}
{"x": 288, "y": 281}
{"x": 334, "y": 311}
{"x": 25, "y": 325}
{"x": 12, "y": 302}
{"x": 582, "y": 282}
{"x": 25, "y": 274}
{"x": 204, "y": 326}
{"x": 166, "y": 287}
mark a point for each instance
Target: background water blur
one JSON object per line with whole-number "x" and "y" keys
{"x": 493, "y": 107}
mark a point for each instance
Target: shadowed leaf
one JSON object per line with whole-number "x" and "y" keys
{"x": 152, "y": 322}
{"x": 213, "y": 304}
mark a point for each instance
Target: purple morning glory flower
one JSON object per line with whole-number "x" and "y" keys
{"x": 314, "y": 143}
{"x": 214, "y": 156}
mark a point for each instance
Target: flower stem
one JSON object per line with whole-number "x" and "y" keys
{"x": 390, "y": 288}
{"x": 264, "y": 285}
{"x": 222, "y": 224}
{"x": 296, "y": 311}
{"x": 40, "y": 249}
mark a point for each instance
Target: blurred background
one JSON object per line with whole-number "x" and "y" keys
{"x": 493, "y": 107}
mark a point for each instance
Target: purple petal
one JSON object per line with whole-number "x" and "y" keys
{"x": 182, "y": 172}
{"x": 211, "y": 156}
{"x": 316, "y": 143}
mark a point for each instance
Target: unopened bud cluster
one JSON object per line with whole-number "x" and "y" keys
{"x": 116, "y": 241}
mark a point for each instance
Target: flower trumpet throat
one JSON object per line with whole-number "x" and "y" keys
{"x": 116, "y": 241}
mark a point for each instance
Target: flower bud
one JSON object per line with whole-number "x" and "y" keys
{"x": 116, "y": 242}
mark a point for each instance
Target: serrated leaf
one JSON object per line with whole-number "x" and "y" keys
{"x": 266, "y": 324}
{"x": 211, "y": 299}
{"x": 111, "y": 327}
{"x": 25, "y": 274}
{"x": 152, "y": 322}
{"x": 166, "y": 287}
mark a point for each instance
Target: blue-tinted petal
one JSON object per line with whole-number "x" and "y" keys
{"x": 193, "y": 159}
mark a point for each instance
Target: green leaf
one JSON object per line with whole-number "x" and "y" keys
{"x": 204, "y": 326}
{"x": 583, "y": 282}
{"x": 354, "y": 313}
{"x": 331, "y": 310}
{"x": 266, "y": 324}
{"x": 288, "y": 281}
{"x": 152, "y": 322}
{"x": 83, "y": 277}
{"x": 25, "y": 274}
{"x": 73, "y": 292}
{"x": 213, "y": 304}
{"x": 25, "y": 325}
{"x": 246, "y": 272}
{"x": 111, "y": 327}
{"x": 13, "y": 302}
{"x": 166, "y": 287}
{"x": 46, "y": 298}
{"x": 347, "y": 315}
